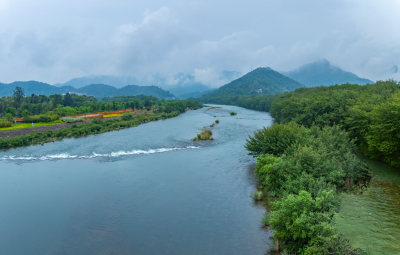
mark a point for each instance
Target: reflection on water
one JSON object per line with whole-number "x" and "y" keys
{"x": 143, "y": 190}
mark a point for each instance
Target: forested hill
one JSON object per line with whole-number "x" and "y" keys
{"x": 96, "y": 90}
{"x": 323, "y": 73}
{"x": 262, "y": 80}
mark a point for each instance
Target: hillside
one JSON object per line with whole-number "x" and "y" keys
{"x": 262, "y": 80}
{"x": 323, "y": 73}
{"x": 96, "y": 90}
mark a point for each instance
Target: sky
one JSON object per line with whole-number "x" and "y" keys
{"x": 57, "y": 40}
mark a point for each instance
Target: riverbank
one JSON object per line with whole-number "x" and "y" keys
{"x": 37, "y": 128}
{"x": 52, "y": 133}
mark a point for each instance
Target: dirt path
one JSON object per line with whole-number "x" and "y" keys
{"x": 24, "y": 131}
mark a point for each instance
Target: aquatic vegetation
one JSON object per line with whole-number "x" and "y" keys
{"x": 216, "y": 121}
{"x": 205, "y": 134}
{"x": 258, "y": 195}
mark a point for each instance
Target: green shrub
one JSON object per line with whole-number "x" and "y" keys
{"x": 205, "y": 134}
{"x": 72, "y": 119}
{"x": 127, "y": 116}
{"x": 275, "y": 139}
{"x": 4, "y": 123}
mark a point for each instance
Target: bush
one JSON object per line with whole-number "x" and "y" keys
{"x": 4, "y": 123}
{"x": 127, "y": 116}
{"x": 298, "y": 220}
{"x": 275, "y": 139}
{"x": 72, "y": 119}
{"x": 233, "y": 113}
{"x": 97, "y": 121}
{"x": 205, "y": 134}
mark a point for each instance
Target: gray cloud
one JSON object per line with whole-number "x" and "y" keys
{"x": 54, "y": 41}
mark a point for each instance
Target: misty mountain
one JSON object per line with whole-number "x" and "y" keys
{"x": 323, "y": 73}
{"x": 96, "y": 90}
{"x": 182, "y": 85}
{"x": 115, "y": 81}
{"x": 262, "y": 80}
{"x": 32, "y": 87}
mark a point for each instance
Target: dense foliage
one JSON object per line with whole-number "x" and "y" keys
{"x": 72, "y": 104}
{"x": 370, "y": 113}
{"x": 304, "y": 169}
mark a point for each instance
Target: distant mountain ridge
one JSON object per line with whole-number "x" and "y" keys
{"x": 262, "y": 80}
{"x": 182, "y": 85}
{"x": 323, "y": 73}
{"x": 96, "y": 90}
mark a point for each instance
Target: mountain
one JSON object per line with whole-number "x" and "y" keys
{"x": 31, "y": 87}
{"x": 182, "y": 85}
{"x": 133, "y": 90}
{"x": 262, "y": 80}
{"x": 114, "y": 81}
{"x": 96, "y": 90}
{"x": 323, "y": 73}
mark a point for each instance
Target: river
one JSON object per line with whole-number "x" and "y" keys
{"x": 143, "y": 190}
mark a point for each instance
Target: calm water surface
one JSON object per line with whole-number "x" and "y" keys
{"x": 144, "y": 190}
{"x": 371, "y": 221}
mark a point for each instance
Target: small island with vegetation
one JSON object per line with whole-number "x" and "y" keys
{"x": 205, "y": 134}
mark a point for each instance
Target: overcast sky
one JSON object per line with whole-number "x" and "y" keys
{"x": 56, "y": 40}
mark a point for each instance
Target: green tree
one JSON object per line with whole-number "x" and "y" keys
{"x": 384, "y": 133}
{"x": 18, "y": 96}
{"x": 299, "y": 220}
{"x": 9, "y": 116}
{"x": 68, "y": 101}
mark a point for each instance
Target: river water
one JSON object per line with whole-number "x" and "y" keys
{"x": 143, "y": 190}
{"x": 371, "y": 220}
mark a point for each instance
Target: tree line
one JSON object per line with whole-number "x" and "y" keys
{"x": 49, "y": 107}
{"x": 370, "y": 113}
{"x": 309, "y": 156}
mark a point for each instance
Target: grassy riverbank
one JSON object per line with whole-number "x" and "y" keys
{"x": 29, "y": 125}
{"x": 95, "y": 127}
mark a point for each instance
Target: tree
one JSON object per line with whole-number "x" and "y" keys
{"x": 9, "y": 116}
{"x": 18, "y": 96}
{"x": 68, "y": 101}
{"x": 299, "y": 220}
{"x": 384, "y": 134}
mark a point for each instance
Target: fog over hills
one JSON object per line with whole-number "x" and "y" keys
{"x": 323, "y": 73}
{"x": 96, "y": 90}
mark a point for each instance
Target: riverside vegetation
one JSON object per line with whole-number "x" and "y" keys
{"x": 153, "y": 109}
{"x": 309, "y": 156}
